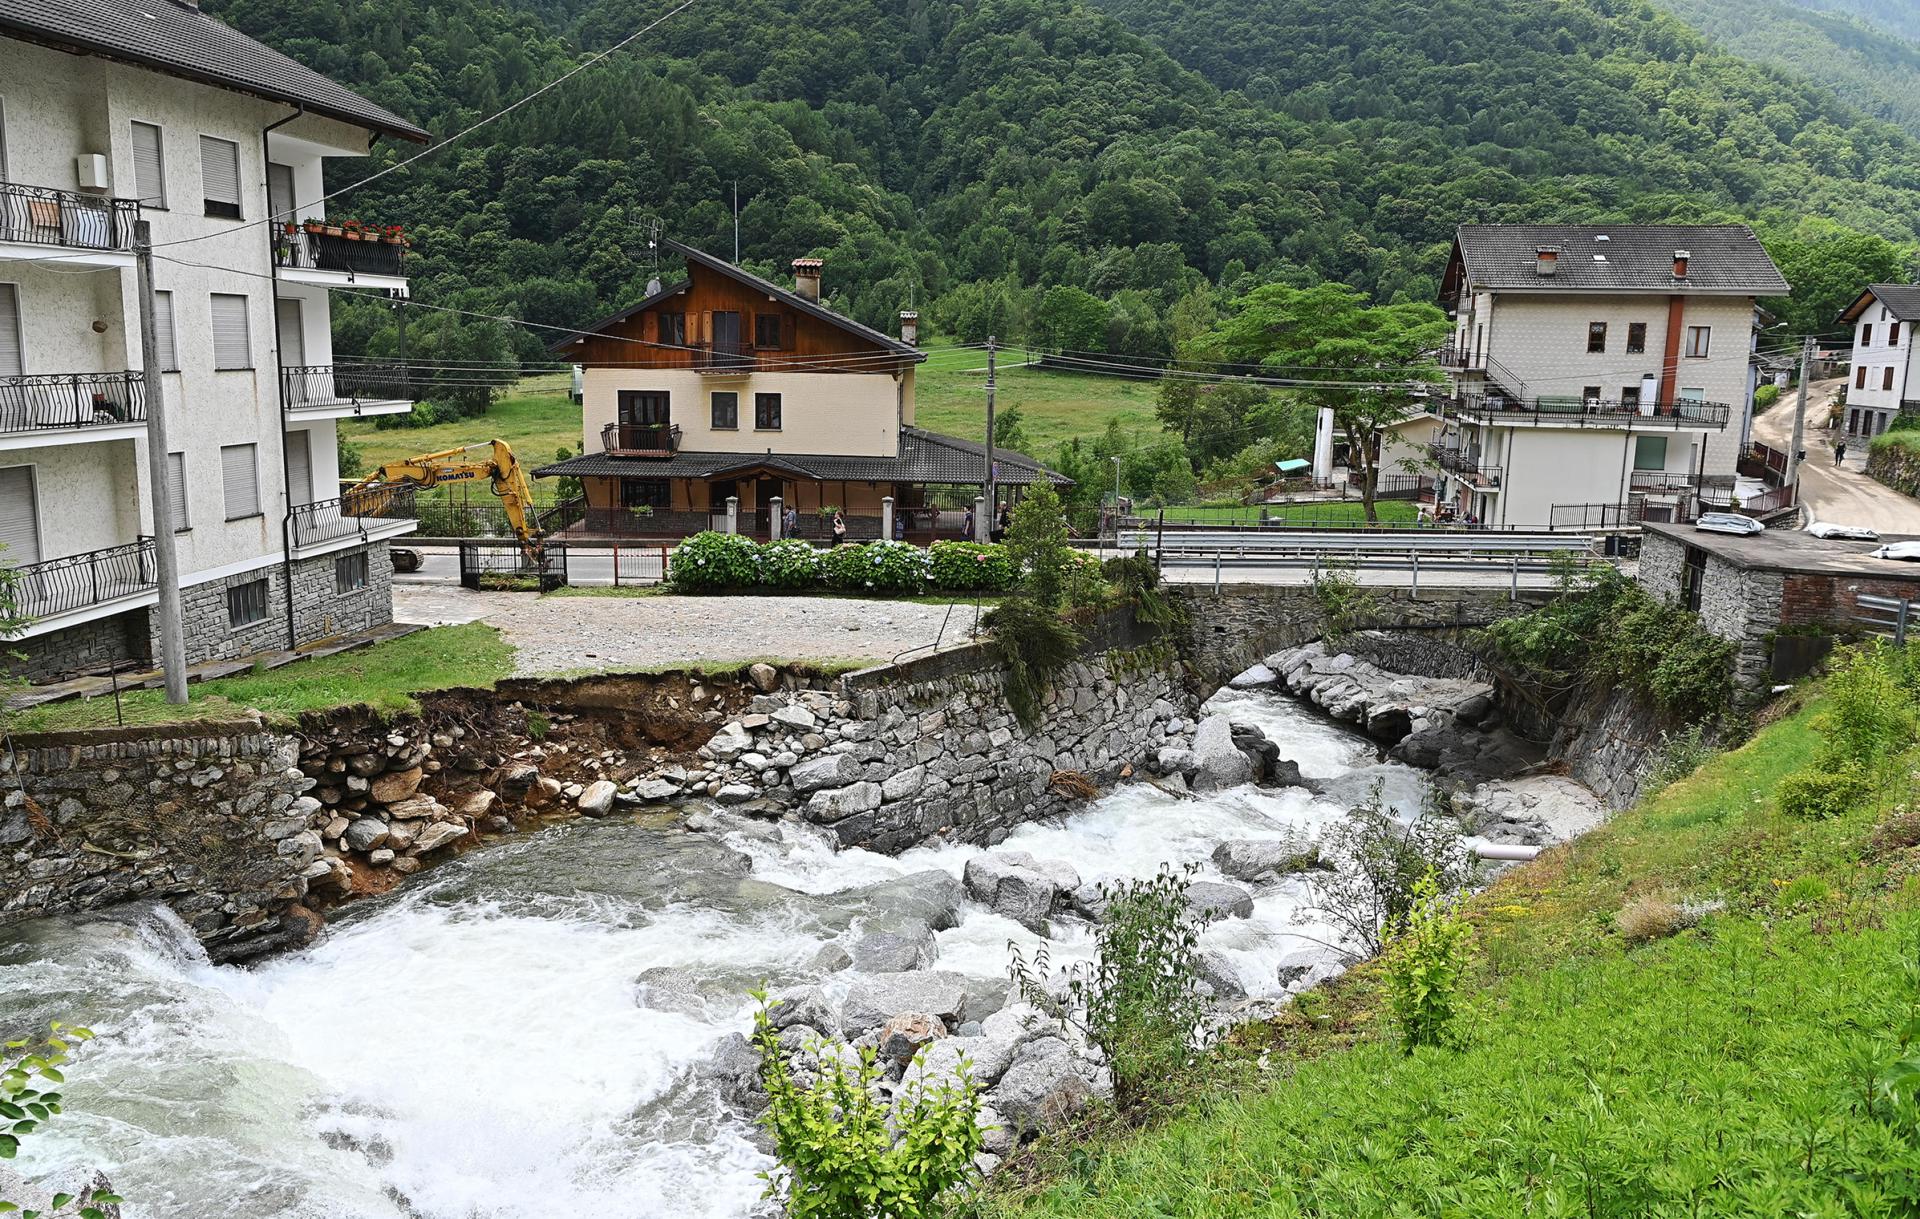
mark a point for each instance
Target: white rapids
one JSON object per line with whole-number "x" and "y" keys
{"x": 472, "y": 1048}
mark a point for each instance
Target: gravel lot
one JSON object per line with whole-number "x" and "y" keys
{"x": 569, "y": 634}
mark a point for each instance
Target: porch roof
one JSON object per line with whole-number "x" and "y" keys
{"x": 925, "y": 457}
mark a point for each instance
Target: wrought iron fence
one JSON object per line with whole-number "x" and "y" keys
{"x": 1596, "y": 412}
{"x": 331, "y": 385}
{"x": 42, "y": 215}
{"x": 329, "y": 520}
{"x": 306, "y": 249}
{"x": 507, "y": 565}
{"x": 73, "y": 582}
{"x": 640, "y": 437}
{"x": 66, "y": 400}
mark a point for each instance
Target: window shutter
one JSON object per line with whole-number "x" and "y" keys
{"x": 230, "y": 346}
{"x": 220, "y": 171}
{"x": 240, "y": 480}
{"x": 19, "y": 523}
{"x": 165, "y": 347}
{"x": 280, "y": 200}
{"x": 299, "y": 469}
{"x": 177, "y": 490}
{"x": 11, "y": 362}
{"x": 149, "y": 170}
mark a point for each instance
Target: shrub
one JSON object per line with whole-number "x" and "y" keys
{"x": 1681, "y": 754}
{"x": 1138, "y": 581}
{"x": 1765, "y": 397}
{"x": 1816, "y": 794}
{"x": 1425, "y": 960}
{"x": 790, "y": 563}
{"x": 970, "y": 567}
{"x": 1869, "y": 715}
{"x": 1036, "y": 643}
{"x": 1085, "y": 582}
{"x": 1378, "y": 865}
{"x": 1138, "y": 1000}
{"x": 878, "y": 567}
{"x": 845, "y": 1152}
{"x": 714, "y": 562}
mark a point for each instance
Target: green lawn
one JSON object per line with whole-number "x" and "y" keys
{"x": 950, "y": 397}
{"x": 537, "y": 419}
{"x": 385, "y": 676}
{"x": 1726, "y": 1070}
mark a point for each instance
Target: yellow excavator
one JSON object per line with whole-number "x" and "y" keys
{"x": 492, "y": 460}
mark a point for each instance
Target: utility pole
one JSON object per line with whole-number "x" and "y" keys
{"x": 1800, "y": 415}
{"x": 987, "y": 480}
{"x": 173, "y": 644}
{"x": 736, "y": 222}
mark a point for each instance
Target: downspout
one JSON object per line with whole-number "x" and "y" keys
{"x": 1670, "y": 359}
{"x": 280, "y": 381}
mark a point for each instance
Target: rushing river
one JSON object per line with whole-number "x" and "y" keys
{"x": 473, "y": 1047}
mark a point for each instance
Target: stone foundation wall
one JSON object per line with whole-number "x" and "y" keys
{"x": 210, "y": 819}
{"x": 320, "y": 610}
{"x": 91, "y": 645}
{"x": 1611, "y": 742}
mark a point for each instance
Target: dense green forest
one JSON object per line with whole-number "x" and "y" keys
{"x": 972, "y": 158}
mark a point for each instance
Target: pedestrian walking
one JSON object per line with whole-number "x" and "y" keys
{"x": 1839, "y": 452}
{"x": 966, "y": 525}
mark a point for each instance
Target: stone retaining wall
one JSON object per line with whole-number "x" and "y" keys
{"x": 209, "y": 818}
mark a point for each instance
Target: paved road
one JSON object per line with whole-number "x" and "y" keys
{"x": 1844, "y": 495}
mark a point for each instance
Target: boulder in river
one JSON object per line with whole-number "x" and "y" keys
{"x": 596, "y": 800}
{"x": 1218, "y": 763}
{"x": 800, "y": 1006}
{"x": 1253, "y": 859}
{"x": 735, "y": 1069}
{"x": 1046, "y": 1085}
{"x": 1212, "y": 900}
{"x": 873, "y": 999}
{"x": 1258, "y": 677}
{"x": 880, "y": 952}
{"x": 904, "y": 1033}
{"x": 1017, "y": 886}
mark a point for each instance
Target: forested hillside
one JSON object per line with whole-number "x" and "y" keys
{"x": 973, "y": 155}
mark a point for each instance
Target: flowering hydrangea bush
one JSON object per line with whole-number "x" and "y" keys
{"x": 715, "y": 562}
{"x": 971, "y": 567}
{"x": 879, "y": 567}
{"x": 791, "y": 563}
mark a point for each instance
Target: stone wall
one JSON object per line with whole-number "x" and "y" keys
{"x": 1611, "y": 742}
{"x": 1661, "y": 561}
{"x": 90, "y": 645}
{"x": 1895, "y": 464}
{"x": 209, "y": 818}
{"x": 320, "y": 610}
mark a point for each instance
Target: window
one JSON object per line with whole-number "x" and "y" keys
{"x": 726, "y": 409}
{"x": 231, "y": 347}
{"x": 280, "y": 201}
{"x": 247, "y": 604}
{"x": 1886, "y": 377}
{"x": 766, "y": 330}
{"x": 1693, "y": 573}
{"x": 766, "y": 412}
{"x": 12, "y": 357}
{"x": 1630, "y": 396}
{"x": 1893, "y": 335}
{"x": 1596, "y": 336}
{"x": 1699, "y": 338}
{"x": 1866, "y": 335}
{"x": 1636, "y": 338}
{"x": 240, "y": 481}
{"x": 654, "y": 493}
{"x": 673, "y": 329}
{"x": 1860, "y": 377}
{"x": 1649, "y": 452}
{"x": 299, "y": 468}
{"x": 1590, "y": 393}
{"x": 177, "y": 492}
{"x": 149, "y": 166}
{"x": 164, "y": 345}
{"x": 350, "y": 572}
{"x": 19, "y": 517}
{"x": 220, "y": 177}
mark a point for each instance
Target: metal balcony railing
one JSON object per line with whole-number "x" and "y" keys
{"x": 304, "y": 250}
{"x": 1595, "y": 412}
{"x": 76, "y": 581}
{"x": 53, "y": 401}
{"x": 43, "y": 215}
{"x": 1678, "y": 480}
{"x": 326, "y": 385}
{"x": 640, "y": 439}
{"x": 723, "y": 359}
{"x": 1465, "y": 465}
{"x": 329, "y": 520}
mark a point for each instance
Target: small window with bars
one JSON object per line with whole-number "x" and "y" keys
{"x": 247, "y": 603}
{"x": 350, "y": 572}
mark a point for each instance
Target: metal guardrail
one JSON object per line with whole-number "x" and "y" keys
{"x": 1490, "y": 555}
{"x": 67, "y": 400}
{"x": 660, "y": 439}
{"x": 1886, "y": 615}
{"x": 76, "y": 581}
{"x": 44, "y": 215}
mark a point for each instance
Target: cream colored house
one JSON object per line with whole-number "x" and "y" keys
{"x": 726, "y": 386}
{"x": 118, "y": 111}
{"x": 1598, "y": 371}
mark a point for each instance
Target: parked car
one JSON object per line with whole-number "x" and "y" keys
{"x": 1845, "y": 533}
{"x": 1728, "y": 522}
{"x": 1907, "y": 551}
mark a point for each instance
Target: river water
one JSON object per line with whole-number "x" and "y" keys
{"x": 474, "y": 1047}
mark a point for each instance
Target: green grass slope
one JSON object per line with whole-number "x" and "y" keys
{"x": 1728, "y": 1070}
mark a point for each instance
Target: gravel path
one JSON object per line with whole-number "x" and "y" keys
{"x": 571, "y": 634}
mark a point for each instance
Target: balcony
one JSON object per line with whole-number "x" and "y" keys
{"x": 81, "y": 587}
{"x": 327, "y": 256}
{"x": 1590, "y": 412}
{"x": 89, "y": 230}
{"x": 1453, "y": 356}
{"x": 326, "y": 391}
{"x": 58, "y": 407}
{"x": 370, "y": 514}
{"x": 640, "y": 439}
{"x": 1466, "y": 466}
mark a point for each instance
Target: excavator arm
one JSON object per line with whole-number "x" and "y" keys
{"x": 492, "y": 460}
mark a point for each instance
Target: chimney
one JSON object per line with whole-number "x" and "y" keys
{"x": 910, "y": 328}
{"x": 806, "y": 279}
{"x": 1680, "y": 260}
{"x": 1546, "y": 260}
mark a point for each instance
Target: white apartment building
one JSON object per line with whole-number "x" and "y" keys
{"x": 116, "y": 111}
{"x": 1598, "y": 371}
{"x": 1882, "y": 382}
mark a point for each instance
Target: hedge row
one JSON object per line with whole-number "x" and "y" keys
{"x": 730, "y": 562}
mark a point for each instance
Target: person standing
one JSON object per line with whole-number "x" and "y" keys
{"x": 789, "y": 521}
{"x": 966, "y": 525}
{"x": 1839, "y": 452}
{"x": 1000, "y": 522}
{"x": 839, "y": 529}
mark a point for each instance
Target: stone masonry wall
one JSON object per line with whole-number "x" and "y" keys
{"x": 207, "y": 818}
{"x": 1661, "y": 561}
{"x": 90, "y": 645}
{"x": 319, "y": 609}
